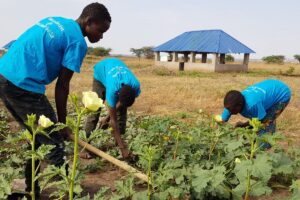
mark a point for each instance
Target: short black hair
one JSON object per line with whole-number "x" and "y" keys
{"x": 95, "y": 11}
{"x": 127, "y": 95}
{"x": 234, "y": 98}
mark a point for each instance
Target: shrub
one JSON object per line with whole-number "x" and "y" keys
{"x": 275, "y": 59}
{"x": 229, "y": 58}
{"x": 99, "y": 51}
{"x": 297, "y": 57}
{"x": 144, "y": 51}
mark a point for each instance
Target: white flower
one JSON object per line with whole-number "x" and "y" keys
{"x": 200, "y": 111}
{"x": 173, "y": 127}
{"x": 91, "y": 101}
{"x": 218, "y": 118}
{"x": 45, "y": 122}
{"x": 237, "y": 160}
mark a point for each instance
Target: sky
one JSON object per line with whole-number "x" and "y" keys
{"x": 269, "y": 27}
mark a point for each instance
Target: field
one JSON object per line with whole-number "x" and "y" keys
{"x": 183, "y": 100}
{"x": 182, "y": 94}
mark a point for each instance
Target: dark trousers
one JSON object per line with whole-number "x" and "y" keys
{"x": 20, "y": 103}
{"x": 92, "y": 120}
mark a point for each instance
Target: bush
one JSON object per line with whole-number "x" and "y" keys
{"x": 288, "y": 72}
{"x": 229, "y": 58}
{"x": 144, "y": 51}
{"x": 148, "y": 53}
{"x": 274, "y": 59}
{"x": 99, "y": 51}
{"x": 297, "y": 57}
{"x": 137, "y": 52}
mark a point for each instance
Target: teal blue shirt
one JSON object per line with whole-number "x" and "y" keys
{"x": 37, "y": 56}
{"x": 260, "y": 97}
{"x": 112, "y": 73}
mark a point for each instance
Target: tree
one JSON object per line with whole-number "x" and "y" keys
{"x": 144, "y": 51}
{"x": 137, "y": 52}
{"x": 297, "y": 57}
{"x": 148, "y": 52}
{"x": 276, "y": 59}
{"x": 99, "y": 51}
{"x": 229, "y": 58}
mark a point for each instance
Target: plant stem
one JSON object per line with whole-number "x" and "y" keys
{"x": 248, "y": 187}
{"x": 176, "y": 146}
{"x": 76, "y": 134}
{"x": 212, "y": 148}
{"x": 149, "y": 178}
{"x": 253, "y": 150}
{"x": 33, "y": 166}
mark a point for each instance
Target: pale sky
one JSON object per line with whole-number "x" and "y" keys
{"x": 266, "y": 26}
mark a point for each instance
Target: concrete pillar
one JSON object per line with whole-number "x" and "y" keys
{"x": 186, "y": 57}
{"x": 246, "y": 59}
{"x": 193, "y": 57}
{"x": 214, "y": 60}
{"x": 204, "y": 58}
{"x": 222, "y": 58}
{"x": 157, "y": 56}
{"x": 175, "y": 57}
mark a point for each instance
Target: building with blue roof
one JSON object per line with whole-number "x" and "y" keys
{"x": 204, "y": 42}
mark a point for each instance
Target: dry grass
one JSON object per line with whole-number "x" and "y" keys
{"x": 169, "y": 93}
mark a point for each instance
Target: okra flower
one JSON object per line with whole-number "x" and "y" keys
{"x": 237, "y": 160}
{"x": 218, "y": 118}
{"x": 45, "y": 122}
{"x": 91, "y": 101}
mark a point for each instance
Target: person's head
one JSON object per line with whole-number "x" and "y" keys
{"x": 94, "y": 21}
{"x": 126, "y": 96}
{"x": 234, "y": 101}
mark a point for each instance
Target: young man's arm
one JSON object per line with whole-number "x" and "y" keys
{"x": 61, "y": 97}
{"x": 116, "y": 132}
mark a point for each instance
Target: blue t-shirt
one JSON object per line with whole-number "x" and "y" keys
{"x": 260, "y": 97}
{"x": 37, "y": 56}
{"x": 112, "y": 73}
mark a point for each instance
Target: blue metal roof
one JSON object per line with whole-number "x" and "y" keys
{"x": 7, "y": 46}
{"x": 209, "y": 41}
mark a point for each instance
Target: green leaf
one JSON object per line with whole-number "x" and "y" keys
{"x": 44, "y": 134}
{"x": 140, "y": 196}
{"x": 262, "y": 167}
{"x": 295, "y": 188}
{"x": 83, "y": 198}
{"x": 58, "y": 127}
{"x": 70, "y": 122}
{"x": 282, "y": 164}
{"x": 4, "y": 187}
{"x": 259, "y": 189}
{"x": 214, "y": 177}
{"x": 27, "y": 135}
{"x": 234, "y": 145}
{"x": 175, "y": 192}
{"x": 101, "y": 193}
{"x": 43, "y": 151}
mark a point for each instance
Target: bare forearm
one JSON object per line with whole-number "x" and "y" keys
{"x": 116, "y": 134}
{"x": 61, "y": 97}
